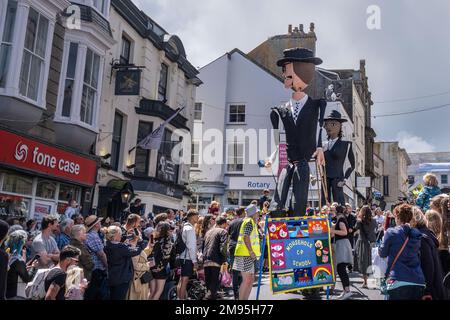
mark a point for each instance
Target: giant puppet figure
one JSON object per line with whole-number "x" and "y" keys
{"x": 336, "y": 152}
{"x": 300, "y": 117}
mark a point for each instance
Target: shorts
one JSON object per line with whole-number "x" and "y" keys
{"x": 187, "y": 268}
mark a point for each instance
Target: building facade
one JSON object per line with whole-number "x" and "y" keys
{"x": 147, "y": 78}
{"x": 437, "y": 163}
{"x": 50, "y": 76}
{"x": 395, "y": 173}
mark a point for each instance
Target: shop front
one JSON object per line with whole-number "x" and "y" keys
{"x": 37, "y": 179}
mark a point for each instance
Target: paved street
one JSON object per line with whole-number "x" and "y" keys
{"x": 373, "y": 293}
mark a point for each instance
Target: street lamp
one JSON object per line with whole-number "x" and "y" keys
{"x": 125, "y": 194}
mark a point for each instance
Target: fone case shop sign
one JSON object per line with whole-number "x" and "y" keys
{"x": 299, "y": 253}
{"x": 31, "y": 155}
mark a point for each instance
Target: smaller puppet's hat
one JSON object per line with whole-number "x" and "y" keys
{"x": 335, "y": 115}
{"x": 300, "y": 55}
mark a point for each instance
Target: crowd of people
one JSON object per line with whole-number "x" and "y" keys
{"x": 179, "y": 255}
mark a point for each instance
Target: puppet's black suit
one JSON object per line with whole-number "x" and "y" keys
{"x": 334, "y": 164}
{"x": 301, "y": 143}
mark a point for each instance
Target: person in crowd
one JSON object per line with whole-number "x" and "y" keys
{"x": 264, "y": 198}
{"x": 342, "y": 251}
{"x": 120, "y": 265}
{"x": 188, "y": 258}
{"x": 389, "y": 221}
{"x": 248, "y": 251}
{"x": 214, "y": 208}
{"x": 71, "y": 209}
{"x": 233, "y": 231}
{"x": 31, "y": 226}
{"x": 366, "y": 227}
{"x": 405, "y": 279}
{"x": 139, "y": 288}
{"x": 63, "y": 238}
{"x": 351, "y": 221}
{"x": 325, "y": 210}
{"x": 45, "y": 245}
{"x": 14, "y": 227}
{"x": 429, "y": 258}
{"x": 78, "y": 239}
{"x": 19, "y": 273}
{"x": 171, "y": 217}
{"x": 429, "y": 191}
{"x": 97, "y": 289}
{"x": 136, "y": 207}
{"x": 160, "y": 217}
{"x": 440, "y": 204}
{"x": 379, "y": 219}
{"x": 265, "y": 208}
{"x": 55, "y": 281}
{"x": 132, "y": 225}
{"x": 214, "y": 255}
{"x": 162, "y": 251}
{"x": 77, "y": 219}
{"x": 4, "y": 228}
{"x": 207, "y": 224}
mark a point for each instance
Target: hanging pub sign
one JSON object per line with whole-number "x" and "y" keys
{"x": 299, "y": 253}
{"x": 128, "y": 82}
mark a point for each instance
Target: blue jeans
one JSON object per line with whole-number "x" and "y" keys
{"x": 406, "y": 293}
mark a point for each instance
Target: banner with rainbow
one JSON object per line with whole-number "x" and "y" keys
{"x": 299, "y": 254}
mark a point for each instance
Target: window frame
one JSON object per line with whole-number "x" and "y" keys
{"x": 236, "y": 146}
{"x": 90, "y": 87}
{"x": 115, "y": 158}
{"x": 442, "y": 178}
{"x": 162, "y": 96}
{"x": 196, "y": 111}
{"x": 5, "y": 43}
{"x": 139, "y": 149}
{"x": 195, "y": 155}
{"x": 34, "y": 55}
{"x": 73, "y": 80}
{"x": 237, "y": 113}
{"x": 75, "y": 114}
{"x": 126, "y": 60}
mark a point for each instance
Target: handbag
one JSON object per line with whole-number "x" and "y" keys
{"x": 226, "y": 280}
{"x": 146, "y": 277}
{"x": 384, "y": 282}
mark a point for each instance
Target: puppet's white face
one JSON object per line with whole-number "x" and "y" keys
{"x": 291, "y": 80}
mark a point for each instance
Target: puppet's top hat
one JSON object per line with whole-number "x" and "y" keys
{"x": 335, "y": 115}
{"x": 300, "y": 55}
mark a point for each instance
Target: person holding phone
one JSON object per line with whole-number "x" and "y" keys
{"x": 19, "y": 273}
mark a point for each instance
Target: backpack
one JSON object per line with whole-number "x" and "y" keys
{"x": 35, "y": 290}
{"x": 180, "y": 246}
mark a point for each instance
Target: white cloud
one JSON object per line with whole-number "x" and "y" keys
{"x": 414, "y": 144}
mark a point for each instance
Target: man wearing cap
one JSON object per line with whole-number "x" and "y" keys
{"x": 247, "y": 251}
{"x": 97, "y": 289}
{"x": 336, "y": 152}
{"x": 300, "y": 118}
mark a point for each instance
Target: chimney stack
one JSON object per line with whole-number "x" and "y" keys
{"x": 290, "y": 29}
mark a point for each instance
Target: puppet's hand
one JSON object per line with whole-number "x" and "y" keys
{"x": 268, "y": 164}
{"x": 320, "y": 157}
{"x": 341, "y": 184}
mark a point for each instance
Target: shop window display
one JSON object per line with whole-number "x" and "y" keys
{"x": 17, "y": 184}
{"x": 14, "y": 206}
{"x": 46, "y": 189}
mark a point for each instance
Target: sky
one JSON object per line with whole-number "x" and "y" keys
{"x": 407, "y": 58}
